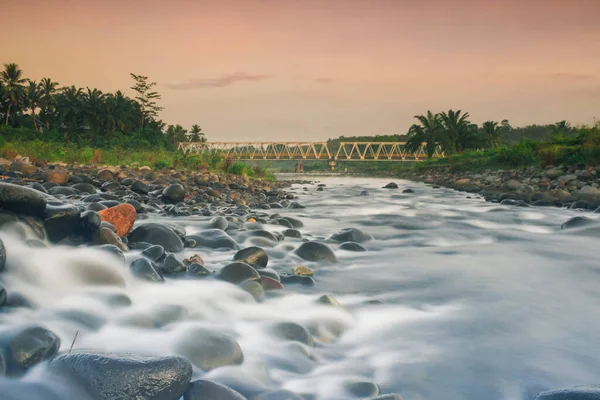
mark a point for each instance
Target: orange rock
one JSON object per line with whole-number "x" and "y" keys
{"x": 195, "y": 259}
{"x": 251, "y": 220}
{"x": 121, "y": 216}
{"x": 58, "y": 176}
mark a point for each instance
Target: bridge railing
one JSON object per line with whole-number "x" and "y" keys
{"x": 347, "y": 151}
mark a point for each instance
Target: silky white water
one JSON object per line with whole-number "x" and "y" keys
{"x": 478, "y": 300}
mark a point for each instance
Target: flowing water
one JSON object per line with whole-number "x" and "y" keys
{"x": 476, "y": 300}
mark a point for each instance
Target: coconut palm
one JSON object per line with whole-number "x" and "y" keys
{"x": 491, "y": 132}
{"x": 32, "y": 100}
{"x": 427, "y": 131}
{"x": 69, "y": 106}
{"x": 48, "y": 90}
{"x": 561, "y": 127}
{"x": 196, "y": 134}
{"x": 13, "y": 82}
{"x": 457, "y": 133}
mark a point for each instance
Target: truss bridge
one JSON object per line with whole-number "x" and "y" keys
{"x": 299, "y": 151}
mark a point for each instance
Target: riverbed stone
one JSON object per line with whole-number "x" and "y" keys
{"x": 352, "y": 246}
{"x": 146, "y": 270}
{"x": 362, "y": 389}
{"x": 588, "y": 392}
{"x": 315, "y": 251}
{"x": 122, "y": 217}
{"x": 219, "y": 223}
{"x": 173, "y": 194}
{"x": 58, "y": 176}
{"x": 255, "y": 256}
{"x": 24, "y": 347}
{"x": 108, "y": 376}
{"x": 292, "y": 233}
{"x": 208, "y": 349}
{"x": 352, "y": 235}
{"x": 391, "y": 185}
{"x": 205, "y": 390}
{"x": 214, "y": 239}
{"x": 172, "y": 265}
{"x": 105, "y": 235}
{"x": 578, "y": 222}
{"x": 238, "y": 272}
{"x": 84, "y": 187}
{"x": 140, "y": 187}
{"x": 155, "y": 253}
{"x": 60, "y": 220}
{"x": 294, "y": 332}
{"x": 2, "y": 255}
{"x": 22, "y": 200}
{"x": 512, "y": 184}
{"x": 155, "y": 233}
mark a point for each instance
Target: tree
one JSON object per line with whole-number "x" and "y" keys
{"x": 48, "y": 90}
{"x": 426, "y": 132}
{"x": 458, "y": 133}
{"x": 175, "y": 134}
{"x": 32, "y": 100}
{"x": 146, "y": 97}
{"x": 491, "y": 131}
{"x": 13, "y": 82}
{"x": 196, "y": 134}
{"x": 69, "y": 108}
{"x": 561, "y": 128}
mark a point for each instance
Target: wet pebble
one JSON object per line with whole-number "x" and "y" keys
{"x": 25, "y": 347}
{"x": 208, "y": 349}
{"x": 352, "y": 246}
{"x": 159, "y": 234}
{"x": 238, "y": 272}
{"x": 22, "y": 200}
{"x": 255, "y": 256}
{"x": 144, "y": 269}
{"x": 315, "y": 251}
{"x": 214, "y": 239}
{"x": 352, "y": 235}
{"x": 205, "y": 390}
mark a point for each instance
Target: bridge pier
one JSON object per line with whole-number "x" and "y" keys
{"x": 332, "y": 163}
{"x": 299, "y": 167}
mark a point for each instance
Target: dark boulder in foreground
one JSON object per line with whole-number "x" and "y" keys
{"x": 60, "y": 220}
{"x": 204, "y": 390}
{"x": 238, "y": 272}
{"x": 351, "y": 235}
{"x": 352, "y": 246}
{"x": 24, "y": 347}
{"x": 124, "y": 376}
{"x": 391, "y": 185}
{"x": 22, "y": 200}
{"x": 588, "y": 392}
{"x": 155, "y": 233}
{"x": 315, "y": 251}
{"x": 254, "y": 256}
{"x": 578, "y": 222}
{"x": 144, "y": 269}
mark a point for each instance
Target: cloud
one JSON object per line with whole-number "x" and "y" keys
{"x": 222, "y": 81}
{"x": 324, "y": 80}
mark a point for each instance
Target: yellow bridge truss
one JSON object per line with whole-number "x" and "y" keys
{"x": 347, "y": 151}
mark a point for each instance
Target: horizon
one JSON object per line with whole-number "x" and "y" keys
{"x": 318, "y": 70}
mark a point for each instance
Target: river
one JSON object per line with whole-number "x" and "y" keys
{"x": 455, "y": 299}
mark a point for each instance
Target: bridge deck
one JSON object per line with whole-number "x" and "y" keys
{"x": 347, "y": 151}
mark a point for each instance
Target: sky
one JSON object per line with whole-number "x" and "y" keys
{"x": 308, "y": 70}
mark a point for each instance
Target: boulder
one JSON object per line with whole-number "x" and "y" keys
{"x": 106, "y": 175}
{"x": 315, "y": 251}
{"x": 60, "y": 220}
{"x": 24, "y": 347}
{"x": 391, "y": 185}
{"x": 203, "y": 390}
{"x": 351, "y": 235}
{"x": 238, "y": 272}
{"x": 208, "y": 349}
{"x": 589, "y": 392}
{"x": 107, "y": 376}
{"x": 22, "y": 200}
{"x": 214, "y": 239}
{"x": 57, "y": 176}
{"x": 255, "y": 256}
{"x": 173, "y": 194}
{"x": 122, "y": 217}
{"x": 144, "y": 269}
{"x": 155, "y": 233}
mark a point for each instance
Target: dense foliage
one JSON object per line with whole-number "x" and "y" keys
{"x": 86, "y": 117}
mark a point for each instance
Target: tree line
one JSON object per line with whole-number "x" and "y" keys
{"x": 454, "y": 133}
{"x": 87, "y": 117}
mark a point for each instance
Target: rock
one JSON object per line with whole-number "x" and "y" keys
{"x": 144, "y": 269}
{"x": 300, "y": 280}
{"x": 351, "y": 235}
{"x": 362, "y": 389}
{"x": 108, "y": 376}
{"x": 408, "y": 191}
{"x": 329, "y": 301}
{"x": 105, "y": 235}
{"x": 122, "y": 217}
{"x": 89, "y": 222}
{"x": 391, "y": 396}
{"x": 155, "y": 233}
{"x": 195, "y": 259}
{"x": 114, "y": 250}
{"x": 22, "y": 200}
{"x": 269, "y": 283}
{"x": 292, "y": 233}
{"x": 315, "y": 251}
{"x": 219, "y": 223}
{"x": 60, "y": 220}
{"x": 255, "y": 256}
{"x": 173, "y": 266}
{"x": 553, "y": 173}
{"x": 58, "y": 176}
{"x": 363, "y": 193}
{"x": 84, "y": 187}
{"x": 63, "y": 191}
{"x": 296, "y": 223}
{"x": 578, "y": 222}
{"x": 23, "y": 167}
{"x": 254, "y": 288}
{"x": 352, "y": 246}
{"x": 238, "y": 272}
{"x": 140, "y": 187}
{"x": 106, "y": 175}
{"x": 173, "y": 194}
{"x": 24, "y": 347}
{"x": 2, "y": 256}
{"x": 462, "y": 182}
{"x": 567, "y": 178}
{"x": 208, "y": 390}
{"x": 214, "y": 239}
{"x": 588, "y": 392}
{"x": 512, "y": 184}
{"x": 197, "y": 270}
{"x": 301, "y": 270}
{"x": 155, "y": 253}
{"x": 295, "y": 332}
{"x": 391, "y": 185}
{"x": 208, "y": 349}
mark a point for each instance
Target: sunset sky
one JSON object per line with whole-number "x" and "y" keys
{"x": 314, "y": 69}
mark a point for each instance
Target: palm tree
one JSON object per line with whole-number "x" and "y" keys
{"x": 94, "y": 107}
{"x": 196, "y": 134}
{"x": 426, "y": 132}
{"x": 561, "y": 127}
{"x": 491, "y": 131}
{"x": 68, "y": 106}
{"x": 32, "y": 100}
{"x": 13, "y": 82}
{"x": 458, "y": 134}
{"x": 48, "y": 90}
